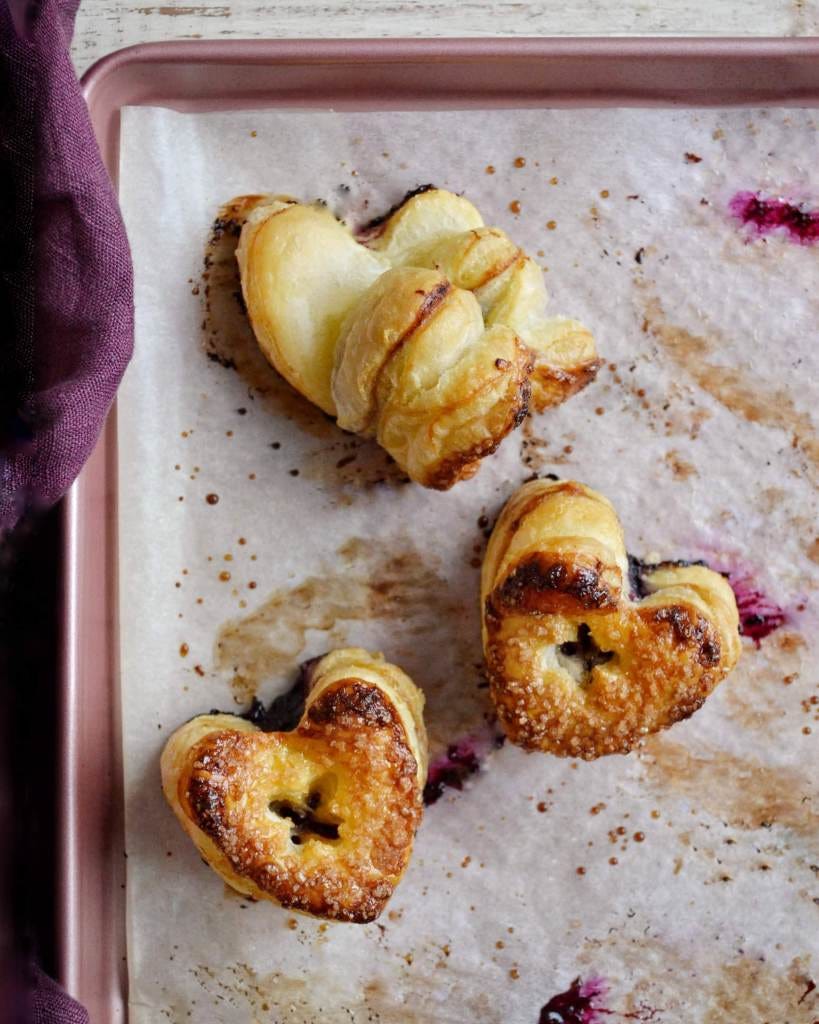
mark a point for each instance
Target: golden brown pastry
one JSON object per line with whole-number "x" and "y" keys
{"x": 320, "y": 819}
{"x": 577, "y": 665}
{"x": 443, "y": 231}
{"x": 430, "y": 334}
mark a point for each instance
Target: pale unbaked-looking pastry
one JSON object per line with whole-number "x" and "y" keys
{"x": 320, "y": 819}
{"x": 430, "y": 334}
{"x": 578, "y": 665}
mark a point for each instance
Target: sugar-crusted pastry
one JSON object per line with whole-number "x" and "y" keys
{"x": 581, "y": 661}
{"x": 429, "y": 333}
{"x": 320, "y": 819}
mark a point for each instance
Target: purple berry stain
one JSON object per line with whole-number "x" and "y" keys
{"x": 462, "y": 759}
{"x": 758, "y": 615}
{"x": 579, "y": 1004}
{"x": 767, "y": 215}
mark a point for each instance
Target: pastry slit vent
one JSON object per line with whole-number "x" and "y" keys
{"x": 579, "y": 657}
{"x": 306, "y": 824}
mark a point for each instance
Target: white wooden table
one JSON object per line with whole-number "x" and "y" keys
{"x": 106, "y": 25}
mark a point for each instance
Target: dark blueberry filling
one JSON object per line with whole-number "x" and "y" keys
{"x": 586, "y": 650}
{"x": 284, "y": 713}
{"x": 461, "y": 760}
{"x": 305, "y": 822}
{"x": 638, "y": 570}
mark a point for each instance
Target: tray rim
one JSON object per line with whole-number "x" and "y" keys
{"x": 95, "y": 970}
{"x": 461, "y": 48}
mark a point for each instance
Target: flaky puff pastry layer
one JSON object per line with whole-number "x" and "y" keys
{"x": 321, "y": 819}
{"x": 429, "y": 333}
{"x": 578, "y": 665}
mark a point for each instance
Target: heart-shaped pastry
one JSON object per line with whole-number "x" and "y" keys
{"x": 429, "y": 334}
{"x": 320, "y": 819}
{"x": 581, "y": 663}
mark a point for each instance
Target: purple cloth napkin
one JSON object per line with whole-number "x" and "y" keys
{"x": 66, "y": 290}
{"x": 48, "y": 1004}
{"x": 65, "y": 269}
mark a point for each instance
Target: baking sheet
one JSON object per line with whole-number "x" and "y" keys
{"x": 699, "y": 429}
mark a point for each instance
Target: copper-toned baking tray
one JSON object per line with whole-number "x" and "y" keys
{"x": 362, "y": 74}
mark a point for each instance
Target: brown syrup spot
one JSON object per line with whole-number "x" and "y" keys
{"x": 708, "y": 984}
{"x": 744, "y": 393}
{"x": 514, "y": 206}
{"x": 681, "y": 469}
{"x": 535, "y": 454}
{"x": 755, "y": 700}
{"x": 788, "y": 641}
{"x": 752, "y": 990}
{"x": 743, "y": 792}
{"x": 372, "y": 580}
{"x": 351, "y": 465}
{"x": 212, "y": 499}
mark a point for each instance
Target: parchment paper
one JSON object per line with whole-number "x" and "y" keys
{"x": 683, "y": 875}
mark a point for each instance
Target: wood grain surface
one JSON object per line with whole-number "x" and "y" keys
{"x": 106, "y": 25}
